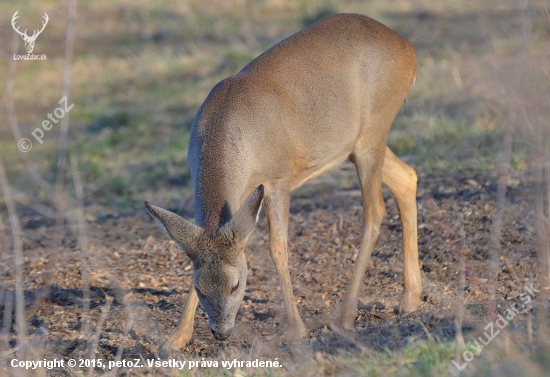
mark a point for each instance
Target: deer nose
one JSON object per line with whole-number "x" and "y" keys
{"x": 222, "y": 335}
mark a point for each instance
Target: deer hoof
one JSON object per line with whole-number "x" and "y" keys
{"x": 167, "y": 352}
{"x": 409, "y": 303}
{"x": 343, "y": 321}
{"x": 296, "y": 331}
{"x": 175, "y": 343}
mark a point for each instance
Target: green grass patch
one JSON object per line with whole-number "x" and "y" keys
{"x": 141, "y": 70}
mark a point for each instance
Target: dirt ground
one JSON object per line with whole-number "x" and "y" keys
{"x": 133, "y": 262}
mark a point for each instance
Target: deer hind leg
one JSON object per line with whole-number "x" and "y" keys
{"x": 369, "y": 163}
{"x": 401, "y": 179}
{"x": 184, "y": 331}
{"x": 277, "y": 207}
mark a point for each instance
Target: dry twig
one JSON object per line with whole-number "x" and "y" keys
{"x": 18, "y": 261}
{"x": 95, "y": 340}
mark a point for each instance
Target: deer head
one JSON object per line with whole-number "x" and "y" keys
{"x": 218, "y": 258}
{"x": 29, "y": 41}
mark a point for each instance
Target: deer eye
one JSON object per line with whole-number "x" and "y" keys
{"x": 234, "y": 289}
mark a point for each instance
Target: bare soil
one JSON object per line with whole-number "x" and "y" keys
{"x": 147, "y": 276}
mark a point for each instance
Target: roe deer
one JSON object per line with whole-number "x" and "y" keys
{"x": 323, "y": 95}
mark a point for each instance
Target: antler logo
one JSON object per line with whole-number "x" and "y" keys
{"x": 29, "y": 41}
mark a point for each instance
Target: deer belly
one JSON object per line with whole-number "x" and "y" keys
{"x": 304, "y": 173}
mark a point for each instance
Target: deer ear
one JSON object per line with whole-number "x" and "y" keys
{"x": 180, "y": 230}
{"x": 244, "y": 220}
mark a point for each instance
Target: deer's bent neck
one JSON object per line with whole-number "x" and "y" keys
{"x": 218, "y": 171}
{"x": 215, "y": 202}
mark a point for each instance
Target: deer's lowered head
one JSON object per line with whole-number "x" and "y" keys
{"x": 218, "y": 258}
{"x": 29, "y": 41}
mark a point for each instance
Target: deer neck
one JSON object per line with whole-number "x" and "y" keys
{"x": 215, "y": 202}
{"x": 219, "y": 161}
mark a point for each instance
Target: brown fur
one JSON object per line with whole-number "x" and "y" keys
{"x": 323, "y": 95}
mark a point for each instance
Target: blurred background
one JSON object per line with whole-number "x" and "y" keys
{"x": 137, "y": 71}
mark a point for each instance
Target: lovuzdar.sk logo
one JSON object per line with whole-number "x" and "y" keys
{"x": 29, "y": 40}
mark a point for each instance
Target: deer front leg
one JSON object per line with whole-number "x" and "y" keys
{"x": 277, "y": 207}
{"x": 184, "y": 331}
{"x": 401, "y": 180}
